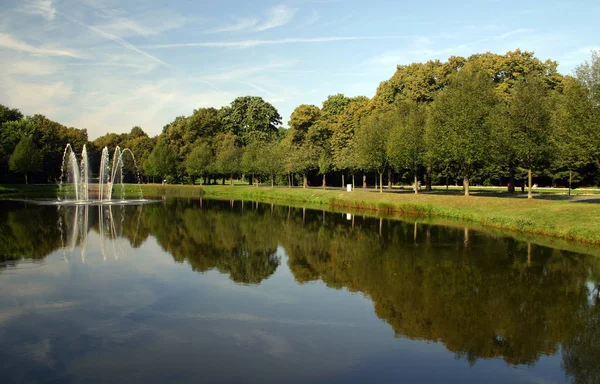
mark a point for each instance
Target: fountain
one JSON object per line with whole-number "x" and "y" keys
{"x": 110, "y": 174}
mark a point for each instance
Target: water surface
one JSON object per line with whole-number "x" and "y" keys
{"x": 211, "y": 291}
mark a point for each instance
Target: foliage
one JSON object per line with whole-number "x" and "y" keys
{"x": 228, "y": 154}
{"x": 26, "y": 158}
{"x": 200, "y": 160}
{"x": 588, "y": 74}
{"x": 162, "y": 160}
{"x": 406, "y": 145}
{"x": 460, "y": 124}
{"x": 487, "y": 119}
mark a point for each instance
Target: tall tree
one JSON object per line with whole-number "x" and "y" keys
{"x": 459, "y": 122}
{"x": 588, "y": 74}
{"x": 9, "y": 114}
{"x": 162, "y": 161}
{"x": 406, "y": 146}
{"x": 529, "y": 122}
{"x": 303, "y": 117}
{"x": 251, "y": 159}
{"x": 272, "y": 160}
{"x": 228, "y": 155}
{"x": 371, "y": 144}
{"x": 26, "y": 158}
{"x": 251, "y": 117}
{"x": 199, "y": 161}
{"x": 342, "y": 143}
{"x": 574, "y": 135}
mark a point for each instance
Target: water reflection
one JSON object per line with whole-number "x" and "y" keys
{"x": 481, "y": 296}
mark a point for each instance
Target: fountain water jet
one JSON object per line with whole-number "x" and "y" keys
{"x": 78, "y": 174}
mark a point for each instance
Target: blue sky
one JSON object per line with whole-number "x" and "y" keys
{"x": 107, "y": 65}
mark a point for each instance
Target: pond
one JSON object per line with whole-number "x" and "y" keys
{"x": 231, "y": 291}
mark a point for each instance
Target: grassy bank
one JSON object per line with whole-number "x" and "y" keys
{"x": 576, "y": 221}
{"x": 566, "y": 220}
{"x": 31, "y": 190}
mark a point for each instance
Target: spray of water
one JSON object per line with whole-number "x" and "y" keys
{"x": 110, "y": 174}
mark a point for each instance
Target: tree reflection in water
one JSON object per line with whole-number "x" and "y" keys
{"x": 483, "y": 296}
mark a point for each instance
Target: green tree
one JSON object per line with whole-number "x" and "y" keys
{"x": 574, "y": 135}
{"x": 371, "y": 144}
{"x": 161, "y": 161}
{"x": 271, "y": 163}
{"x": 199, "y": 161}
{"x": 228, "y": 155}
{"x": 316, "y": 147}
{"x": 204, "y": 123}
{"x": 251, "y": 117}
{"x": 303, "y": 117}
{"x": 251, "y": 162}
{"x": 406, "y": 146}
{"x": 459, "y": 122}
{"x": 9, "y": 114}
{"x": 342, "y": 143}
{"x": 26, "y": 158}
{"x": 529, "y": 124}
{"x": 588, "y": 74}
{"x": 304, "y": 138}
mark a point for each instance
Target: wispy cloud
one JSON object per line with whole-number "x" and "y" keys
{"x": 239, "y": 25}
{"x": 46, "y": 97}
{"x": 261, "y": 89}
{"x": 429, "y": 47}
{"x": 255, "y": 43}
{"x": 9, "y": 42}
{"x": 117, "y": 40}
{"x": 44, "y": 8}
{"x": 278, "y": 16}
{"x": 36, "y": 67}
{"x": 244, "y": 72}
{"x": 153, "y": 26}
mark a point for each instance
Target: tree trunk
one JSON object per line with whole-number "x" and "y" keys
{"x": 466, "y": 184}
{"x": 570, "y": 180}
{"x": 27, "y": 182}
{"x": 446, "y": 183}
{"x": 251, "y": 179}
{"x": 353, "y": 185}
{"x": 390, "y": 179}
{"x": 364, "y": 181}
{"x": 511, "y": 181}
{"x": 428, "y": 180}
{"x": 272, "y": 181}
{"x": 530, "y": 189}
{"x": 231, "y": 180}
{"x": 380, "y": 182}
{"x": 289, "y": 180}
{"x": 222, "y": 181}
{"x": 304, "y": 181}
{"x": 416, "y": 185}
{"x": 343, "y": 181}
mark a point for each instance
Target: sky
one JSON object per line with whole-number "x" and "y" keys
{"x": 108, "y": 65}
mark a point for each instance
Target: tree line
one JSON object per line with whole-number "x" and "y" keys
{"x": 488, "y": 119}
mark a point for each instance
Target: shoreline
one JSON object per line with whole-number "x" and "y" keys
{"x": 572, "y": 221}
{"x": 567, "y": 220}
